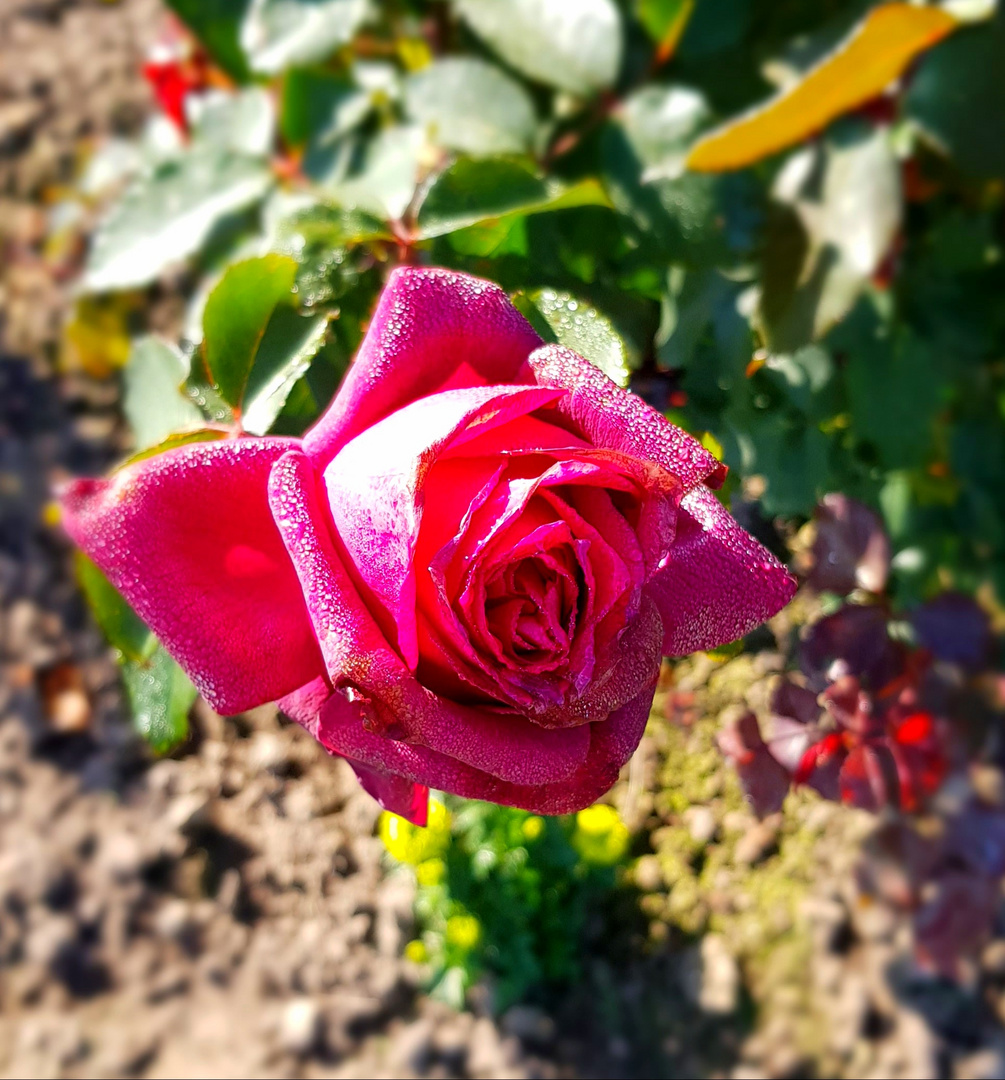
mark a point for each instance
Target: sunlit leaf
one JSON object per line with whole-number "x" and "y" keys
{"x": 280, "y": 33}
{"x": 237, "y": 313}
{"x": 843, "y": 209}
{"x": 471, "y": 191}
{"x": 160, "y": 696}
{"x": 244, "y": 122}
{"x": 385, "y": 185}
{"x": 469, "y": 105}
{"x": 876, "y": 53}
{"x": 580, "y": 327}
{"x": 290, "y": 343}
{"x": 320, "y": 106}
{"x": 167, "y": 216}
{"x": 575, "y": 45}
{"x": 152, "y": 399}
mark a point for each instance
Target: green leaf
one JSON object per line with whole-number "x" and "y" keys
{"x": 160, "y": 695}
{"x": 956, "y": 97}
{"x": 472, "y": 191}
{"x": 320, "y": 107}
{"x": 182, "y": 438}
{"x": 580, "y": 327}
{"x": 469, "y": 105}
{"x": 575, "y": 45}
{"x": 217, "y": 23}
{"x": 664, "y": 20}
{"x": 244, "y": 123}
{"x": 290, "y": 343}
{"x": 277, "y": 34}
{"x": 123, "y": 628}
{"x": 842, "y": 208}
{"x": 385, "y": 185}
{"x": 167, "y": 216}
{"x": 237, "y": 313}
{"x": 153, "y": 401}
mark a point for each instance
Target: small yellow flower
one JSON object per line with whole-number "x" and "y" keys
{"x": 417, "y": 952}
{"x": 412, "y": 844}
{"x": 601, "y": 837}
{"x": 532, "y": 828}
{"x": 463, "y": 931}
{"x": 431, "y": 872}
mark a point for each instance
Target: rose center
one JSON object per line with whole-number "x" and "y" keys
{"x": 531, "y": 607}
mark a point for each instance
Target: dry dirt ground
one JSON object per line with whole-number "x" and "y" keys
{"x": 227, "y": 912}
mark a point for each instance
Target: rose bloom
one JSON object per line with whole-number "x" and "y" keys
{"x": 463, "y": 577}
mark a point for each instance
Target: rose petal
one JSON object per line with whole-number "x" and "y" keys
{"x": 375, "y": 488}
{"x": 432, "y": 330}
{"x": 394, "y": 793}
{"x": 612, "y": 742}
{"x": 360, "y": 660}
{"x": 611, "y": 417}
{"x": 188, "y": 539}
{"x": 719, "y": 583}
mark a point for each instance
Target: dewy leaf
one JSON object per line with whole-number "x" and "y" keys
{"x": 290, "y": 343}
{"x": 160, "y": 695}
{"x": 237, "y": 312}
{"x": 280, "y": 33}
{"x": 123, "y": 628}
{"x": 217, "y": 23}
{"x": 470, "y": 191}
{"x": 469, "y": 105}
{"x": 874, "y": 54}
{"x": 153, "y": 401}
{"x": 244, "y": 122}
{"x": 582, "y": 328}
{"x": 165, "y": 217}
{"x": 575, "y": 45}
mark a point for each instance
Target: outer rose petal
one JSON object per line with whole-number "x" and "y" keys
{"x": 611, "y": 417}
{"x": 719, "y": 583}
{"x": 394, "y": 793}
{"x": 187, "y": 537}
{"x": 360, "y": 660}
{"x": 340, "y": 727}
{"x": 432, "y": 330}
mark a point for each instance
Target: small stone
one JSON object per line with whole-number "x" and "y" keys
{"x": 300, "y": 1026}
{"x": 530, "y": 1025}
{"x": 993, "y": 959}
{"x": 188, "y": 812}
{"x": 648, "y": 875}
{"x": 987, "y": 1064}
{"x": 412, "y": 1046}
{"x": 712, "y": 976}
{"x": 758, "y": 842}
{"x": 701, "y": 824}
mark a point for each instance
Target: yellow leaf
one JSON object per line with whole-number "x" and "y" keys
{"x": 96, "y": 339}
{"x": 875, "y": 53}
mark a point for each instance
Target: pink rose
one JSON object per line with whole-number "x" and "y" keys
{"x": 464, "y": 576}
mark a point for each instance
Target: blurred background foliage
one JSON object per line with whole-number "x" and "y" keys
{"x": 814, "y": 287}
